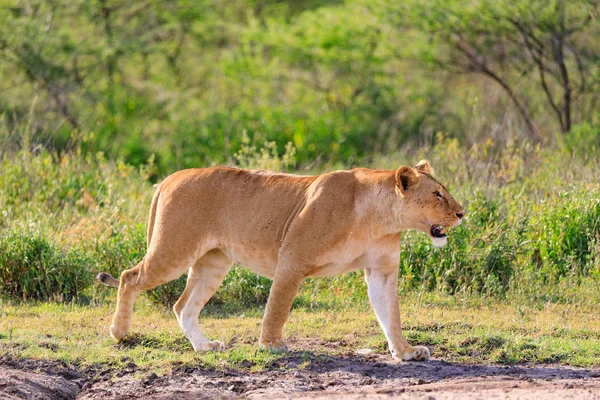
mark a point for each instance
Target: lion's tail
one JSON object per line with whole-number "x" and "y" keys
{"x": 152, "y": 216}
{"x": 107, "y": 279}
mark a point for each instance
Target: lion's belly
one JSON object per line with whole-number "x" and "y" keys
{"x": 336, "y": 269}
{"x": 258, "y": 260}
{"x": 343, "y": 265}
{"x": 352, "y": 256}
{"x": 261, "y": 258}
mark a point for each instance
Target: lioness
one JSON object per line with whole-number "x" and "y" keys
{"x": 284, "y": 227}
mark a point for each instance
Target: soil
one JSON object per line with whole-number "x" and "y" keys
{"x": 352, "y": 376}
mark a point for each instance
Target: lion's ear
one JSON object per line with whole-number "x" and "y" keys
{"x": 424, "y": 166}
{"x": 407, "y": 178}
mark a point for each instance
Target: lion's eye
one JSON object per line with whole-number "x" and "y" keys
{"x": 438, "y": 195}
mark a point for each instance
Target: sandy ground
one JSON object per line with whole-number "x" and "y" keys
{"x": 349, "y": 377}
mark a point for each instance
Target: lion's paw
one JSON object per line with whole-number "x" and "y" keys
{"x": 417, "y": 353}
{"x": 214, "y": 345}
{"x": 277, "y": 345}
{"x": 117, "y": 333}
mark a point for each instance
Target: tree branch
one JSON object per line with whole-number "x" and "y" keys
{"x": 558, "y": 51}
{"x": 479, "y": 66}
{"x": 541, "y": 69}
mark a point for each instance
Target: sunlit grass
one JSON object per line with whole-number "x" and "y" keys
{"x": 470, "y": 333}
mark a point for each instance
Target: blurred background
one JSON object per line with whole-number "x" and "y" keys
{"x": 184, "y": 81}
{"x": 100, "y": 99}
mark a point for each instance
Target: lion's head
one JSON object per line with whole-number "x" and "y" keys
{"x": 426, "y": 204}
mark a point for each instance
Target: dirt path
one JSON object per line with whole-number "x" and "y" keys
{"x": 351, "y": 376}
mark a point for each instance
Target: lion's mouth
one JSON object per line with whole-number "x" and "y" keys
{"x": 438, "y": 231}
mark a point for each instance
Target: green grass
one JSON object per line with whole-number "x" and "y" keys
{"x": 469, "y": 331}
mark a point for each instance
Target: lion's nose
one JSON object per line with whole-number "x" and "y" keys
{"x": 460, "y": 215}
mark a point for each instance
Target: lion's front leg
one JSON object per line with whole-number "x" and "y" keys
{"x": 383, "y": 295}
{"x": 283, "y": 291}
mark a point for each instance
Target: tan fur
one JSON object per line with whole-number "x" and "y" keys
{"x": 284, "y": 227}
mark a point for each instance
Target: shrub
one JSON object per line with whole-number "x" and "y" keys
{"x": 123, "y": 249}
{"x": 563, "y": 235}
{"x": 33, "y": 268}
{"x": 240, "y": 289}
{"x": 166, "y": 295}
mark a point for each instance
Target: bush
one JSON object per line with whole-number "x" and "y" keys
{"x": 123, "y": 249}
{"x": 527, "y": 244}
{"x": 240, "y": 289}
{"x": 562, "y": 237}
{"x": 166, "y": 295}
{"x": 583, "y": 140}
{"x": 33, "y": 268}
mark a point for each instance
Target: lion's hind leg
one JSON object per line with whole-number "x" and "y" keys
{"x": 204, "y": 278}
{"x": 149, "y": 273}
{"x": 128, "y": 291}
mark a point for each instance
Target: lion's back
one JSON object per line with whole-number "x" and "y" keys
{"x": 229, "y": 204}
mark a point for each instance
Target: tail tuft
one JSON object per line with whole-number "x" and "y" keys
{"x": 107, "y": 280}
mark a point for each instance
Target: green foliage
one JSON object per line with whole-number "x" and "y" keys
{"x": 342, "y": 81}
{"x": 241, "y": 289}
{"x": 64, "y": 219}
{"x": 31, "y": 268}
{"x": 122, "y": 249}
{"x": 507, "y": 41}
{"x": 266, "y": 157}
{"x": 494, "y": 253}
{"x": 533, "y": 226}
{"x": 564, "y": 235}
{"x": 583, "y": 140}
